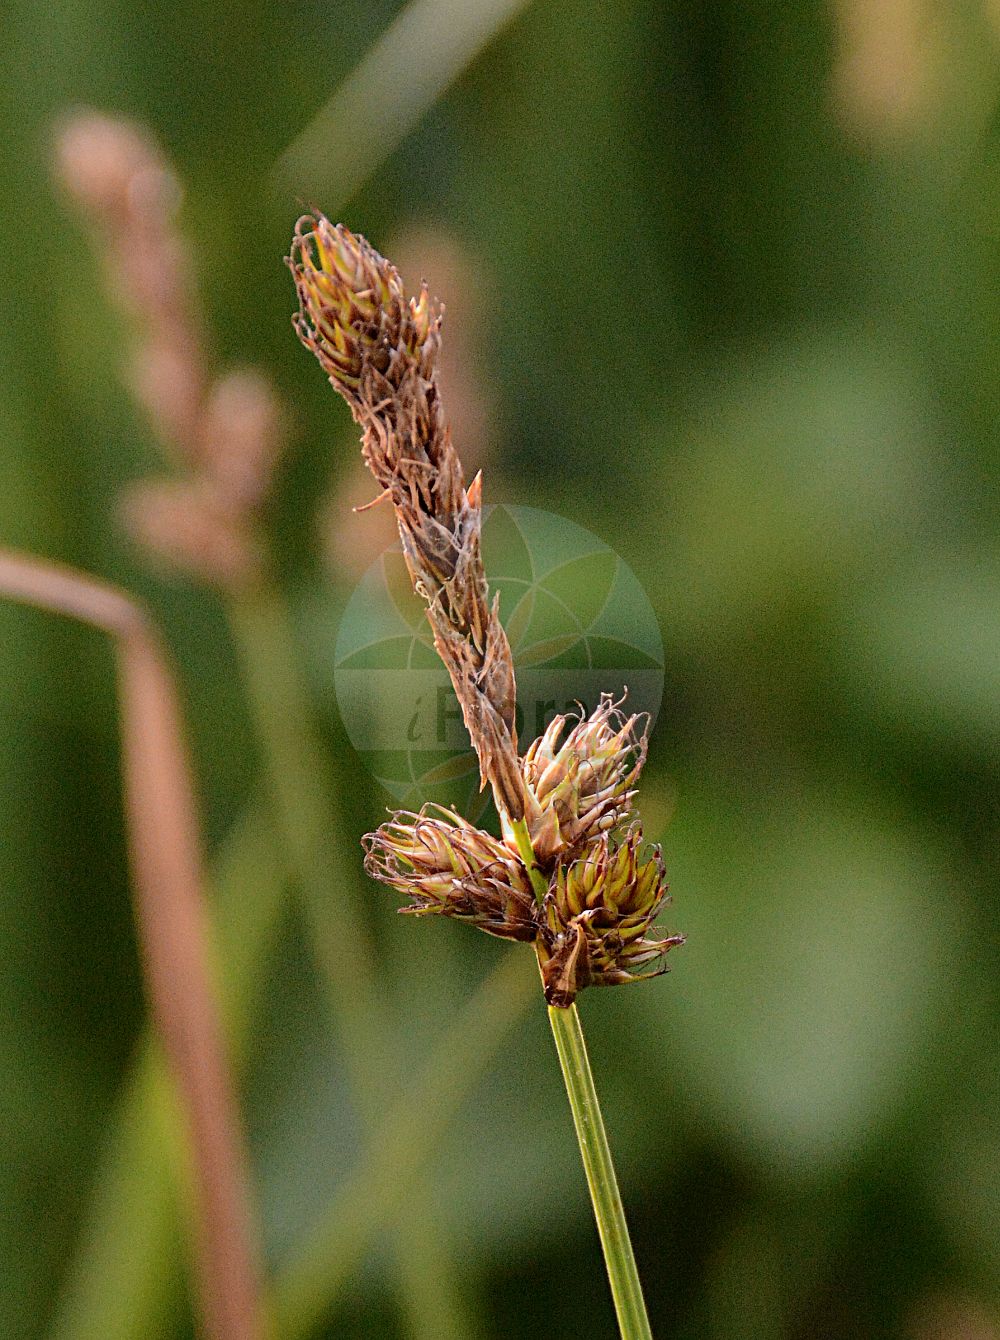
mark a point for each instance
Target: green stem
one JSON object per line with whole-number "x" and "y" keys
{"x": 604, "y": 1194}
{"x": 412, "y": 1126}
{"x": 305, "y": 796}
{"x": 527, "y": 854}
{"x": 626, "y": 1290}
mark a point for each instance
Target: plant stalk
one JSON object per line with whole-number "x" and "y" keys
{"x": 616, "y": 1244}
{"x": 604, "y": 1194}
{"x": 122, "y": 1284}
{"x": 171, "y": 917}
{"x": 527, "y": 854}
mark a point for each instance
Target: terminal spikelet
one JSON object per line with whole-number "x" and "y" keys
{"x": 380, "y": 351}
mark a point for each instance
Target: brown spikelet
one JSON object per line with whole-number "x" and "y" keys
{"x": 594, "y": 927}
{"x": 183, "y": 523}
{"x": 225, "y": 434}
{"x": 380, "y": 352}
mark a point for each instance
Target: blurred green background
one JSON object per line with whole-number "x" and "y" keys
{"x": 722, "y": 288}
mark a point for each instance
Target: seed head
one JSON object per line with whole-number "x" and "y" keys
{"x": 599, "y": 913}
{"x": 448, "y": 867}
{"x": 593, "y": 926}
{"x": 354, "y": 315}
{"x": 582, "y": 786}
{"x": 380, "y": 352}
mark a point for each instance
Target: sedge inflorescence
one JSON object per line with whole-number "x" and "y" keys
{"x": 590, "y": 892}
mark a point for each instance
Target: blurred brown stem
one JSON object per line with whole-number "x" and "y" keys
{"x": 120, "y": 1284}
{"x": 173, "y": 930}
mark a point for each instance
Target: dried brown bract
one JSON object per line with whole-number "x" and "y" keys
{"x": 380, "y": 352}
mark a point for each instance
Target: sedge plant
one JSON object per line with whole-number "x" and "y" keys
{"x": 569, "y": 873}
